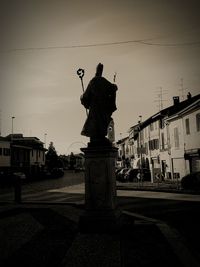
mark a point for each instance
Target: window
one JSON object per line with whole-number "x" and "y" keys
{"x": 0, "y": 150}
{"x": 162, "y": 141}
{"x": 153, "y": 144}
{"x": 162, "y": 124}
{"x": 145, "y": 130}
{"x": 6, "y": 152}
{"x": 156, "y": 144}
{"x": 151, "y": 127}
{"x": 176, "y": 138}
{"x": 198, "y": 121}
{"x": 187, "y": 126}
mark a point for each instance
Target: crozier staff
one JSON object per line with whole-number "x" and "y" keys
{"x": 100, "y": 99}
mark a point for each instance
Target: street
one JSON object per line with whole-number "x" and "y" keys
{"x": 39, "y": 188}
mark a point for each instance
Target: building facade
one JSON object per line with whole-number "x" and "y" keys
{"x": 167, "y": 143}
{"x": 184, "y": 140}
{"x": 5, "y": 157}
{"x": 24, "y": 154}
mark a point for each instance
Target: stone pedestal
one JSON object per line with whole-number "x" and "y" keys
{"x": 100, "y": 190}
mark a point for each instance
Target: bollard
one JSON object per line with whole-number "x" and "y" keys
{"x": 17, "y": 187}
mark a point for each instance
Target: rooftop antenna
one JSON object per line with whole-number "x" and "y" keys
{"x": 160, "y": 99}
{"x": 182, "y": 89}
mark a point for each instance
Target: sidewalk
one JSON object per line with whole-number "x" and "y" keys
{"x": 156, "y": 187}
{"x": 48, "y": 235}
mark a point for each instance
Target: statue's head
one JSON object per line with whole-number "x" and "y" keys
{"x": 99, "y": 70}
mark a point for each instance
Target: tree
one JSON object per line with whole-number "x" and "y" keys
{"x": 72, "y": 161}
{"x": 51, "y": 157}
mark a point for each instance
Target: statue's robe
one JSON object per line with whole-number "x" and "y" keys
{"x": 100, "y": 99}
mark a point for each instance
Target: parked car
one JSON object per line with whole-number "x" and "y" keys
{"x": 118, "y": 169}
{"x": 131, "y": 175}
{"x": 134, "y": 175}
{"x": 191, "y": 181}
{"x": 57, "y": 172}
{"x": 120, "y": 175}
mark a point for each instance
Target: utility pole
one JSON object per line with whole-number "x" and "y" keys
{"x": 140, "y": 148}
{"x": 160, "y": 99}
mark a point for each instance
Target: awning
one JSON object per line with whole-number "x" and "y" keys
{"x": 192, "y": 153}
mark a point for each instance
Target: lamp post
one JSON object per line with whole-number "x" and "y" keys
{"x": 45, "y": 136}
{"x": 12, "y": 123}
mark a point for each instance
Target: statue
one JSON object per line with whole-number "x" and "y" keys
{"x": 99, "y": 97}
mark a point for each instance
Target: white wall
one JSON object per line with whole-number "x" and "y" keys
{"x": 4, "y": 160}
{"x": 176, "y": 152}
{"x": 192, "y": 141}
{"x": 37, "y": 156}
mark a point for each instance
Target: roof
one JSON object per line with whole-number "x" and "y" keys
{"x": 193, "y": 106}
{"x": 169, "y": 111}
{"x": 20, "y": 140}
{"x": 121, "y": 140}
{"x": 3, "y": 139}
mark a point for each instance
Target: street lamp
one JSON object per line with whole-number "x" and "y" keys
{"x": 45, "y": 136}
{"x": 12, "y": 123}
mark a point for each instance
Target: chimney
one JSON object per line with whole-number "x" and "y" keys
{"x": 189, "y": 96}
{"x": 176, "y": 100}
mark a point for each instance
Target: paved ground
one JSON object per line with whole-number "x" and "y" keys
{"x": 49, "y": 236}
{"x": 43, "y": 230}
{"x": 34, "y": 234}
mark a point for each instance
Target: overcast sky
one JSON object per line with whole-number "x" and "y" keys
{"x": 43, "y": 43}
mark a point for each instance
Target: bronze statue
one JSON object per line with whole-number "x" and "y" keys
{"x": 100, "y": 98}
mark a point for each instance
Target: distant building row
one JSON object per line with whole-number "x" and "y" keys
{"x": 28, "y": 155}
{"x": 18, "y": 153}
{"x": 167, "y": 143}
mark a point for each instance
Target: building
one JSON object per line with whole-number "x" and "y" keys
{"x": 5, "y": 157}
{"x": 167, "y": 143}
{"x": 134, "y": 145}
{"x": 123, "y": 146}
{"x": 183, "y": 130}
{"x": 27, "y": 154}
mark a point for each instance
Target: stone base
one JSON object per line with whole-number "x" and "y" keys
{"x": 99, "y": 143}
{"x": 100, "y": 213}
{"x": 100, "y": 181}
{"x": 97, "y": 221}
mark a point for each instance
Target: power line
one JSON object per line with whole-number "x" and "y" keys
{"x": 143, "y": 42}
{"x": 172, "y": 44}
